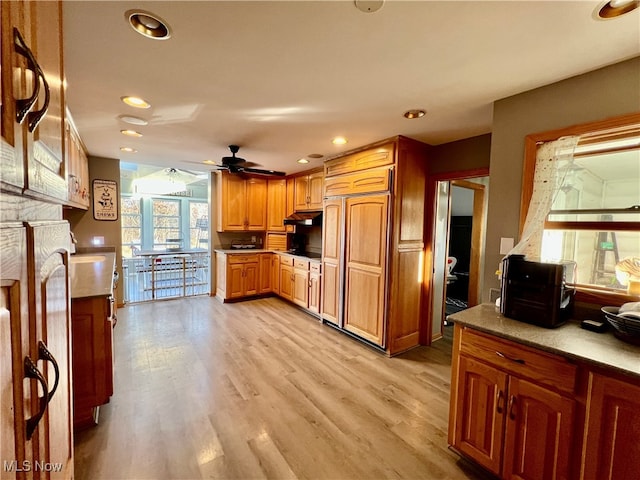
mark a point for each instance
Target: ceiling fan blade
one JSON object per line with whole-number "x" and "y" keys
{"x": 259, "y": 171}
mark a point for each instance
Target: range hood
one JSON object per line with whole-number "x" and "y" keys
{"x": 304, "y": 218}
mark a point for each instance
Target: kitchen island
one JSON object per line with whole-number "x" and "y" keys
{"x": 92, "y": 321}
{"x": 530, "y": 402}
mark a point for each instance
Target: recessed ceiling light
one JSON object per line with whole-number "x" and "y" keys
{"x": 133, "y": 120}
{"x": 128, "y": 149}
{"x": 415, "y": 113}
{"x": 339, "y": 141}
{"x": 315, "y": 155}
{"x": 136, "y": 102}
{"x": 148, "y": 24}
{"x": 615, "y": 8}
{"x": 303, "y": 160}
{"x": 131, "y": 133}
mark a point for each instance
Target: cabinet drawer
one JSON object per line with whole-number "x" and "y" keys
{"x": 242, "y": 258}
{"x": 374, "y": 180}
{"x": 303, "y": 264}
{"x": 375, "y": 157}
{"x": 286, "y": 260}
{"x": 314, "y": 267}
{"x": 540, "y": 367}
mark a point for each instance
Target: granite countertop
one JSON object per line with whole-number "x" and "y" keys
{"x": 568, "y": 340}
{"x": 92, "y": 274}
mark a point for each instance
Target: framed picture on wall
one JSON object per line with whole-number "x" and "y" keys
{"x": 105, "y": 200}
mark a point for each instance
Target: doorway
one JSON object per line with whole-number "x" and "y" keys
{"x": 458, "y": 241}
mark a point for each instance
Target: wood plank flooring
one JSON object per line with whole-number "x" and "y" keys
{"x": 260, "y": 389}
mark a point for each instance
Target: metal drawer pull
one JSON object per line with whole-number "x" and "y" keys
{"x": 45, "y": 354}
{"x": 500, "y": 402}
{"x": 512, "y": 407}
{"x": 24, "y": 105}
{"x": 31, "y": 371}
{"x": 506, "y": 357}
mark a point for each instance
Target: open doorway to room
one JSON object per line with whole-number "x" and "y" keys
{"x": 458, "y": 240}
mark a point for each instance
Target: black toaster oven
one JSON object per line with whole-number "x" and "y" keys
{"x": 535, "y": 292}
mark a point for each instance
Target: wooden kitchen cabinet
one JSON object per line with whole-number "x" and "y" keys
{"x": 286, "y": 277}
{"x": 308, "y": 191}
{"x": 332, "y": 259}
{"x": 237, "y": 275}
{"x": 242, "y": 203}
{"x": 301, "y": 282}
{"x": 92, "y": 333}
{"x": 314, "y": 287}
{"x": 275, "y": 274}
{"x": 266, "y": 278}
{"x": 276, "y": 204}
{"x": 77, "y": 168}
{"x": 33, "y": 100}
{"x": 612, "y": 428}
{"x": 512, "y": 407}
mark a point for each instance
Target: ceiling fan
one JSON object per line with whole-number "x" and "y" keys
{"x": 235, "y": 164}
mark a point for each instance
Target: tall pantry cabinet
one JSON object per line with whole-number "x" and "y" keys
{"x": 373, "y": 242}
{"x": 36, "y": 438}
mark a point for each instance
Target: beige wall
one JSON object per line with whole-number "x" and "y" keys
{"x": 597, "y": 95}
{"x": 85, "y": 227}
{"x": 468, "y": 154}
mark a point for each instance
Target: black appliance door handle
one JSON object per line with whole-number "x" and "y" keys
{"x": 24, "y": 105}
{"x": 45, "y": 354}
{"x": 31, "y": 371}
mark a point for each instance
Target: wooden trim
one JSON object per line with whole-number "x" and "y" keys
{"x": 596, "y": 226}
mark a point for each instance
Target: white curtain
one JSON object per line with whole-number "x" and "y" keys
{"x": 553, "y": 161}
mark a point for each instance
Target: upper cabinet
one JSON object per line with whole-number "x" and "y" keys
{"x": 277, "y": 203}
{"x": 242, "y": 203}
{"x": 308, "y": 192}
{"x": 77, "y": 167}
{"x": 33, "y": 100}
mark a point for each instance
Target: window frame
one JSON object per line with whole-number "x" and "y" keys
{"x": 616, "y": 127}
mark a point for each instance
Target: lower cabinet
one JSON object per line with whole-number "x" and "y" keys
{"x": 242, "y": 275}
{"x": 301, "y": 282}
{"x": 314, "y": 287}
{"x": 286, "y": 278}
{"x": 512, "y": 408}
{"x": 92, "y": 333}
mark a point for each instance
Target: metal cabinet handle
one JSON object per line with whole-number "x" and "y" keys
{"x": 24, "y": 105}
{"x": 512, "y": 407}
{"x": 511, "y": 359}
{"x": 31, "y": 371}
{"x": 45, "y": 354}
{"x": 35, "y": 117}
{"x": 500, "y": 402}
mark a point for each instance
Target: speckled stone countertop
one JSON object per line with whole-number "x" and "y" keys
{"x": 568, "y": 340}
{"x": 92, "y": 274}
{"x": 241, "y": 251}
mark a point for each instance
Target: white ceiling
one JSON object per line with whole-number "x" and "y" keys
{"x": 282, "y": 78}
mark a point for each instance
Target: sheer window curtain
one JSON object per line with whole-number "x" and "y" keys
{"x": 554, "y": 160}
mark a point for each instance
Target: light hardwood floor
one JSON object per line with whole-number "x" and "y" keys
{"x": 260, "y": 389}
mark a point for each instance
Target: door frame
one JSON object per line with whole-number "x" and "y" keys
{"x": 460, "y": 176}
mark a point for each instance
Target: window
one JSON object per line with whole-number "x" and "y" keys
{"x": 595, "y": 215}
{"x": 166, "y": 224}
{"x": 131, "y": 225}
{"x": 198, "y": 224}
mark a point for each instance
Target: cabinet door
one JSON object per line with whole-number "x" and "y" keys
{"x": 275, "y": 274}
{"x": 314, "y": 292}
{"x": 45, "y": 160}
{"x": 480, "y": 413}
{"x": 265, "y": 273}
{"x": 286, "y": 282}
{"x": 14, "y": 345}
{"x": 14, "y": 86}
{"x": 367, "y": 224}
{"x": 232, "y": 203}
{"x": 331, "y": 279}
{"x": 611, "y": 449}
{"x": 276, "y": 204}
{"x": 301, "y": 287}
{"x": 251, "y": 278}
{"x": 48, "y": 249}
{"x": 256, "y": 204}
{"x": 316, "y": 190}
{"x": 301, "y": 193}
{"x": 538, "y": 433}
{"x": 235, "y": 280}
{"x": 77, "y": 168}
